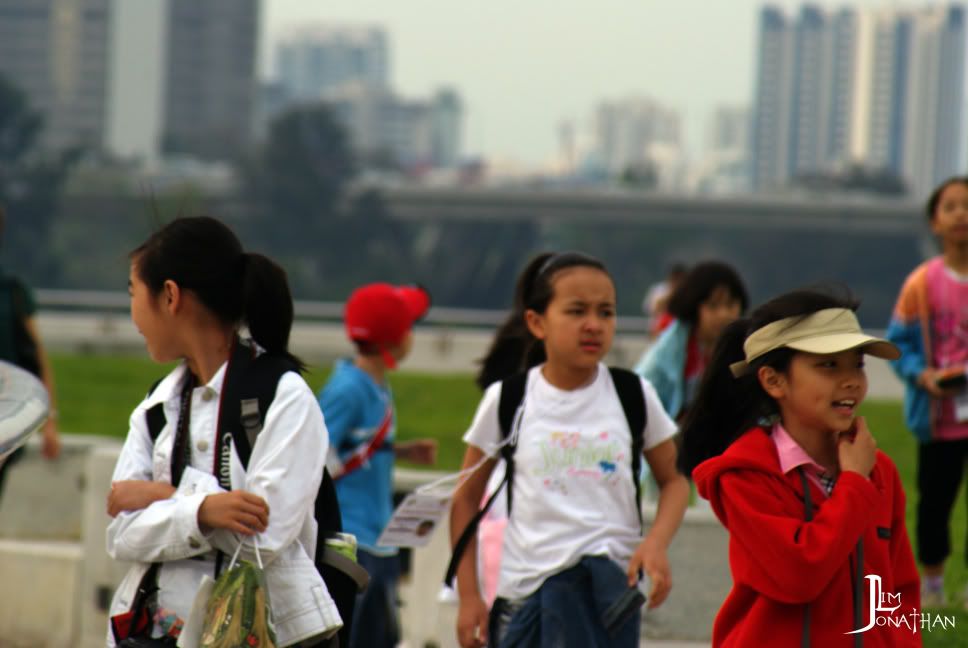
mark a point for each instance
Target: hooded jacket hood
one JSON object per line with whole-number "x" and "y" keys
{"x": 754, "y": 450}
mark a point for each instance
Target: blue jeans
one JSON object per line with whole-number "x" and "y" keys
{"x": 375, "y": 619}
{"x": 567, "y": 611}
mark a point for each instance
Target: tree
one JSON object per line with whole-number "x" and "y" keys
{"x": 855, "y": 177}
{"x": 296, "y": 180}
{"x": 640, "y": 175}
{"x": 30, "y": 186}
{"x": 307, "y": 162}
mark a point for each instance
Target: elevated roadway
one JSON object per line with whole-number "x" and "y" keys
{"x": 559, "y": 206}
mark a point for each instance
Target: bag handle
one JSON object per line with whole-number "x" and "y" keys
{"x": 235, "y": 556}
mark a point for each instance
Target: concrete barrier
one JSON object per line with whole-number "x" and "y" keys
{"x": 40, "y": 601}
{"x": 439, "y": 349}
{"x": 57, "y": 576}
{"x": 58, "y": 579}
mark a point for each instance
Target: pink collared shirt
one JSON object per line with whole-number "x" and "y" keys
{"x": 792, "y": 456}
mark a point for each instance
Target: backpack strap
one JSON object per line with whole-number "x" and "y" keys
{"x": 628, "y": 386}
{"x": 512, "y": 393}
{"x": 359, "y": 457}
{"x": 155, "y": 415}
{"x": 247, "y": 392}
{"x": 137, "y": 622}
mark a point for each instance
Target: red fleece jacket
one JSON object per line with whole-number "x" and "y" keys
{"x": 780, "y": 562}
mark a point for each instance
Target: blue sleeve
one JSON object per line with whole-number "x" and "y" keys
{"x": 908, "y": 338}
{"x": 342, "y": 411}
{"x": 660, "y": 378}
{"x": 663, "y": 365}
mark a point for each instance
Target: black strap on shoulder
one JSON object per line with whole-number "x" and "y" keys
{"x": 628, "y": 386}
{"x": 247, "y": 392}
{"x": 140, "y": 624}
{"x": 155, "y": 416}
{"x": 469, "y": 532}
{"x": 512, "y": 393}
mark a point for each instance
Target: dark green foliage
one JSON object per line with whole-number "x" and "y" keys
{"x": 30, "y": 186}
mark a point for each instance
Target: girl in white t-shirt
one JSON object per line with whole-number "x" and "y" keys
{"x": 574, "y": 541}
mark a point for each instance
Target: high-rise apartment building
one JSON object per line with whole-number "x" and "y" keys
{"x": 56, "y": 52}
{"x": 729, "y": 130}
{"x": 446, "y": 115}
{"x": 408, "y": 132}
{"x": 132, "y": 77}
{"x": 878, "y": 87}
{"x": 312, "y": 61}
{"x": 772, "y": 100}
{"x": 348, "y": 68}
{"x": 627, "y": 130}
{"x": 210, "y": 85}
{"x": 933, "y": 146}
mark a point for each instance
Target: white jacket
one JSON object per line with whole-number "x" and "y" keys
{"x": 285, "y": 469}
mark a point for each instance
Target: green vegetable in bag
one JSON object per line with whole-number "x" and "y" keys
{"x": 238, "y": 614}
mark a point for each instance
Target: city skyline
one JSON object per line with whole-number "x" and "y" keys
{"x": 882, "y": 87}
{"x": 524, "y": 68}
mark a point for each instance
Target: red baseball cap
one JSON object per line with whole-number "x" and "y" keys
{"x": 382, "y": 314}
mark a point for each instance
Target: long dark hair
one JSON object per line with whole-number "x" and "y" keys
{"x": 699, "y": 284}
{"x": 203, "y": 255}
{"x": 727, "y": 406}
{"x": 514, "y": 348}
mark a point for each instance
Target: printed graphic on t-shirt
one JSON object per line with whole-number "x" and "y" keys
{"x": 948, "y": 297}
{"x": 951, "y": 333}
{"x": 571, "y": 458}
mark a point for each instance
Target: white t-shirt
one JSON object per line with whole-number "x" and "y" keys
{"x": 573, "y": 489}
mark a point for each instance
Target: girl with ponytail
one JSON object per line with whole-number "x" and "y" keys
{"x": 574, "y": 552}
{"x": 183, "y": 500}
{"x": 814, "y": 511}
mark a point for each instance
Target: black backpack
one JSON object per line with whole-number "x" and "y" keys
{"x": 628, "y": 386}
{"x": 251, "y": 382}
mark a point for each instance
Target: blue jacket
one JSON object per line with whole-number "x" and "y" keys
{"x": 910, "y": 331}
{"x": 354, "y": 406}
{"x": 664, "y": 365}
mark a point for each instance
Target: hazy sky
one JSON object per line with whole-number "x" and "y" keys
{"x": 523, "y": 66}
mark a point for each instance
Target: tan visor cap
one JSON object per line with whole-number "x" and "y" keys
{"x": 831, "y": 330}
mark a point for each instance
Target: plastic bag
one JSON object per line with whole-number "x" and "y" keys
{"x": 238, "y": 613}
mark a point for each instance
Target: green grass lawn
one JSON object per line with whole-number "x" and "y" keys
{"x": 96, "y": 395}
{"x": 886, "y": 423}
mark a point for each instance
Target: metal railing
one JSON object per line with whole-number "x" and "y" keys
{"x": 108, "y": 301}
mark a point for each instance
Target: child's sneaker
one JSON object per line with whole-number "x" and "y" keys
{"x": 932, "y": 597}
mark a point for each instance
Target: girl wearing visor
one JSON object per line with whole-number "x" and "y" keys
{"x": 814, "y": 511}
